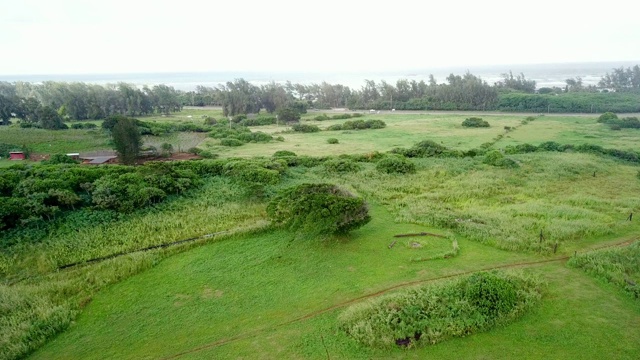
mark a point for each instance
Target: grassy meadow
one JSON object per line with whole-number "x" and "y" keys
{"x": 257, "y": 291}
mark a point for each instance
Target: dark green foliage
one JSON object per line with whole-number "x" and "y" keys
{"x": 5, "y": 149}
{"x": 239, "y": 118}
{"x": 283, "y": 153}
{"x": 83, "y": 126}
{"x": 572, "y": 102}
{"x": 550, "y": 146}
{"x": 358, "y": 125}
{"x": 425, "y": 148}
{"x": 231, "y": 142}
{"x": 520, "y": 149}
{"x": 60, "y": 159}
{"x": 127, "y": 140}
{"x": 496, "y": 158}
{"x": 434, "y": 313}
{"x": 260, "y": 121}
{"x": 332, "y": 141}
{"x": 341, "y": 166}
{"x": 125, "y": 192}
{"x": 396, "y": 165}
{"x": 607, "y": 117}
{"x": 475, "y": 122}
{"x": 318, "y": 209}
{"x": 288, "y": 114}
{"x": 257, "y": 136}
{"x": 305, "y": 128}
{"x": 321, "y": 117}
{"x": 237, "y": 135}
{"x": 341, "y": 116}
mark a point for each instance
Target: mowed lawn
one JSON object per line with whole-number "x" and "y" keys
{"x": 249, "y": 297}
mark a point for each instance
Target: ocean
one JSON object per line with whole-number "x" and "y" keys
{"x": 545, "y": 75}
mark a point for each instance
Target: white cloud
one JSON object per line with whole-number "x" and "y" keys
{"x": 73, "y": 36}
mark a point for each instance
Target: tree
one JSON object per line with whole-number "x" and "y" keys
{"x": 127, "y": 140}
{"x": 288, "y": 114}
{"x": 319, "y": 209}
{"x": 50, "y": 119}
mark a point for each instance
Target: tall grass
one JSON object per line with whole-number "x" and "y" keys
{"x": 434, "y": 313}
{"x": 619, "y": 266}
{"x": 555, "y": 195}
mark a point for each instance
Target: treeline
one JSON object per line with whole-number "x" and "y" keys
{"x": 48, "y": 104}
{"x": 58, "y": 101}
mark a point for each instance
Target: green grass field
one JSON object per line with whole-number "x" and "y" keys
{"x": 263, "y": 292}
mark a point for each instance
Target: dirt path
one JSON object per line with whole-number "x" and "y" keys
{"x": 387, "y": 290}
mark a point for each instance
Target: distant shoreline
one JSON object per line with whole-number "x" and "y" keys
{"x": 545, "y": 75}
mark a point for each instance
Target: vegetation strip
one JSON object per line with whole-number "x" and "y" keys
{"x": 140, "y": 250}
{"x": 381, "y": 292}
{"x": 420, "y": 234}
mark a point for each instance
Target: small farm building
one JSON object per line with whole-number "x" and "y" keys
{"x": 16, "y": 155}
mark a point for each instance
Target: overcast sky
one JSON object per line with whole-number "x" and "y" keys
{"x": 125, "y": 36}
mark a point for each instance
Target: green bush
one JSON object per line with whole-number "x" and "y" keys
{"x": 318, "y": 209}
{"x": 231, "y": 142}
{"x": 332, "y": 141}
{"x": 395, "y": 165}
{"x": 341, "y": 116}
{"x": 475, "y": 122}
{"x": 496, "y": 158}
{"x": 341, "y": 166}
{"x": 425, "y": 148}
{"x": 433, "y": 313}
{"x": 305, "y": 128}
{"x": 335, "y": 127}
{"x": 60, "y": 159}
{"x": 607, "y": 117}
{"x": 322, "y": 117}
{"x": 283, "y": 153}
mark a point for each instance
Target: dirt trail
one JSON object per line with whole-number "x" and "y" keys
{"x": 386, "y": 290}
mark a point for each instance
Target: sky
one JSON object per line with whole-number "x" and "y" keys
{"x": 131, "y": 36}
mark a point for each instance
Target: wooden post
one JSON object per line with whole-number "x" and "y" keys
{"x": 555, "y": 247}
{"x": 541, "y": 236}
{"x": 630, "y": 216}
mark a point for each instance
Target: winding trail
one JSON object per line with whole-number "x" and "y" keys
{"x": 401, "y": 285}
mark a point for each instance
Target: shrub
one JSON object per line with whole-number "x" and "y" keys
{"x": 341, "y": 166}
{"x": 305, "y": 128}
{"x": 607, "y": 117}
{"x": 335, "y": 127}
{"x": 475, "y": 122}
{"x": 321, "y": 117}
{"x": 341, "y": 116}
{"x": 332, "y": 141}
{"x": 318, "y": 209}
{"x": 425, "y": 148}
{"x": 283, "y": 153}
{"x": 496, "y": 158}
{"x": 60, "y": 159}
{"x": 433, "y": 313}
{"x": 231, "y": 142}
{"x": 395, "y": 165}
